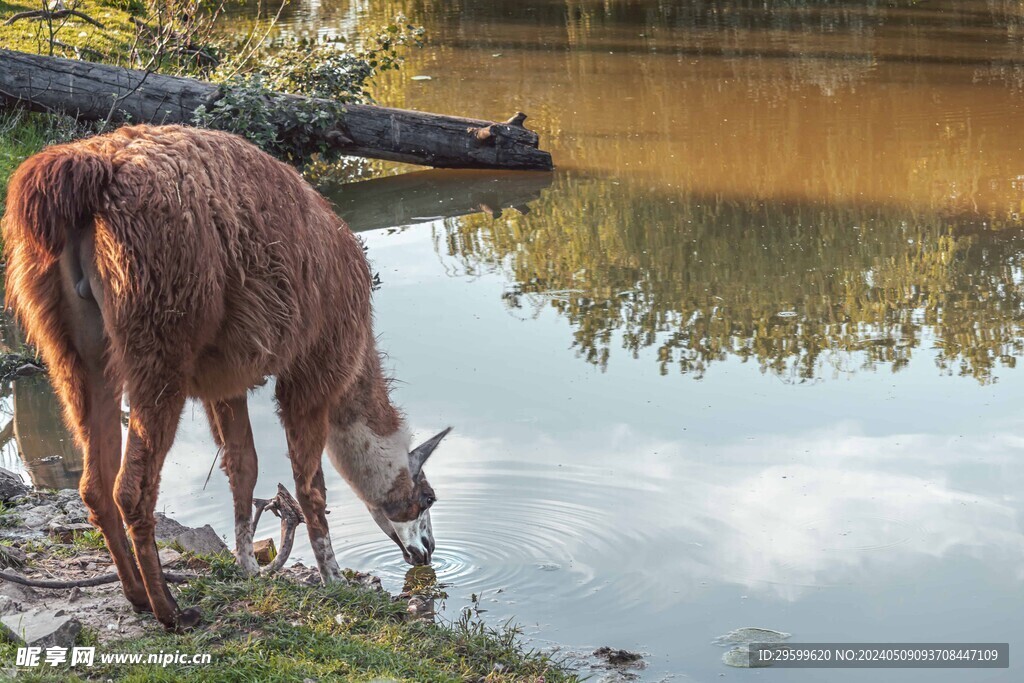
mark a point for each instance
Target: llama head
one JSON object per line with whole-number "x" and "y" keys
{"x": 390, "y": 480}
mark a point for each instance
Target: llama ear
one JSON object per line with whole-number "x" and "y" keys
{"x": 419, "y": 455}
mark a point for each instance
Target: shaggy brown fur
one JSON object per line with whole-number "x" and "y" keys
{"x": 169, "y": 262}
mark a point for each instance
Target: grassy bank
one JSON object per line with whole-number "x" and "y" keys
{"x": 283, "y": 628}
{"x": 268, "y": 629}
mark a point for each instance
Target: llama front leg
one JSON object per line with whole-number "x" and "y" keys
{"x": 307, "y": 436}
{"x": 229, "y": 422}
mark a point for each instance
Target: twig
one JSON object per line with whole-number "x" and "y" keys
{"x": 100, "y": 580}
{"x": 283, "y": 505}
{"x": 49, "y": 16}
{"x": 83, "y": 50}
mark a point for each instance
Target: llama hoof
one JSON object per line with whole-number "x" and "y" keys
{"x": 188, "y": 619}
{"x": 248, "y": 565}
{"x": 140, "y": 604}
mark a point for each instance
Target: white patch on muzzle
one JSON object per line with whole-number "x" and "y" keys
{"x": 417, "y": 536}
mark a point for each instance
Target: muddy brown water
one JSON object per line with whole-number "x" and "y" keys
{"x": 748, "y": 359}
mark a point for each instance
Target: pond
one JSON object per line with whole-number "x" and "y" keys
{"x": 746, "y": 359}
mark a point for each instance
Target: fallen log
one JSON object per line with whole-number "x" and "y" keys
{"x": 98, "y": 92}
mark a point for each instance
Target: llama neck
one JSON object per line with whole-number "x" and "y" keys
{"x": 369, "y": 461}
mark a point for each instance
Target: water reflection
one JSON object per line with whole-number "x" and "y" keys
{"x": 804, "y": 290}
{"x": 33, "y": 437}
{"x": 427, "y": 196}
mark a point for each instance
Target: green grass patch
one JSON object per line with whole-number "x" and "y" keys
{"x": 22, "y": 135}
{"x": 72, "y": 33}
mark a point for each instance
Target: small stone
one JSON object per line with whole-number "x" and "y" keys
{"x": 264, "y": 551}
{"x": 11, "y": 486}
{"x": 11, "y": 556}
{"x": 39, "y": 517}
{"x": 66, "y": 533}
{"x": 168, "y": 556}
{"x": 42, "y": 628}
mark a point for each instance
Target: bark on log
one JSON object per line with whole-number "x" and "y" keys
{"x": 94, "y": 91}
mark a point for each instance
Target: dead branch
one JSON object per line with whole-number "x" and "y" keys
{"x": 51, "y": 15}
{"x": 284, "y": 506}
{"x": 100, "y": 580}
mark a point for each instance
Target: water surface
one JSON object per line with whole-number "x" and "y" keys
{"x": 747, "y": 358}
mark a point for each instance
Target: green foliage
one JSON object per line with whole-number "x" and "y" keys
{"x": 332, "y": 70}
{"x": 89, "y": 540}
{"x": 242, "y": 108}
{"x": 289, "y": 128}
{"x": 318, "y": 71}
{"x": 300, "y": 130}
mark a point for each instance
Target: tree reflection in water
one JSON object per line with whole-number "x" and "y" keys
{"x": 800, "y": 288}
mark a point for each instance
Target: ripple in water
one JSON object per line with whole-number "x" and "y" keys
{"x": 512, "y": 536}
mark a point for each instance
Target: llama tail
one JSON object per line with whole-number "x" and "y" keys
{"x": 51, "y": 196}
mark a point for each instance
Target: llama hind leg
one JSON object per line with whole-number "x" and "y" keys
{"x": 229, "y": 422}
{"x": 151, "y": 429}
{"x": 92, "y": 405}
{"x": 307, "y": 437}
{"x": 102, "y": 461}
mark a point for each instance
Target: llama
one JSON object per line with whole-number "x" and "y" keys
{"x": 168, "y": 262}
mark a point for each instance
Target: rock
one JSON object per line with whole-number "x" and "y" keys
{"x": 617, "y": 657}
{"x": 752, "y": 634}
{"x": 38, "y": 517}
{"x": 9, "y": 605}
{"x": 420, "y": 608}
{"x": 42, "y": 628}
{"x": 168, "y": 556}
{"x": 264, "y": 550}
{"x": 15, "y": 598}
{"x": 65, "y": 533}
{"x": 166, "y": 528}
{"x": 365, "y": 580}
{"x": 75, "y": 509}
{"x": 740, "y": 656}
{"x": 11, "y": 556}
{"x": 202, "y": 541}
{"x": 11, "y": 486}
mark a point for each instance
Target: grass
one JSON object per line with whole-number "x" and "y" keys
{"x": 22, "y": 135}
{"x": 276, "y": 629}
{"x": 32, "y": 35}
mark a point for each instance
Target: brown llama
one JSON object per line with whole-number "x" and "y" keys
{"x": 170, "y": 262}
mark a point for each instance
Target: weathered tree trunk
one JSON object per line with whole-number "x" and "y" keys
{"x": 95, "y": 91}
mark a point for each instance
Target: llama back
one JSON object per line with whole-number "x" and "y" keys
{"x": 206, "y": 248}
